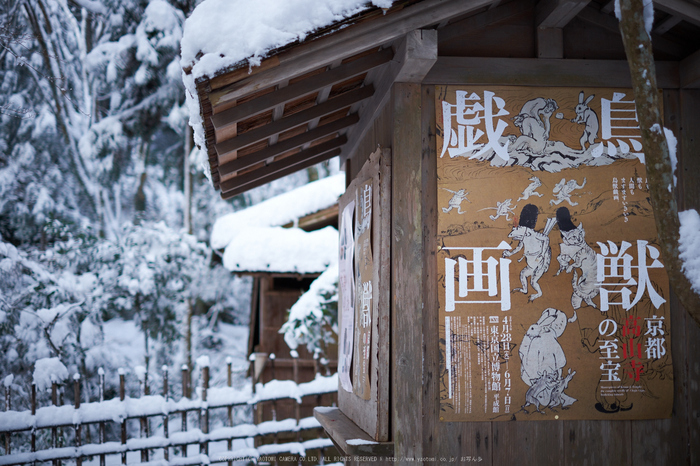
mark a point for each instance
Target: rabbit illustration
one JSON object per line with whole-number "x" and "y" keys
{"x": 586, "y": 116}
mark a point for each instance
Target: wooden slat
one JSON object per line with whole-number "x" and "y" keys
{"x": 557, "y": 13}
{"x": 287, "y": 144}
{"x": 543, "y": 72}
{"x": 294, "y": 120}
{"x": 341, "y": 430}
{"x": 686, "y": 10}
{"x": 664, "y": 26}
{"x": 605, "y": 21}
{"x": 355, "y": 39}
{"x": 690, "y": 71}
{"x": 417, "y": 53}
{"x": 276, "y": 166}
{"x": 291, "y": 169}
{"x": 484, "y": 20}
{"x": 229, "y": 117}
{"x": 407, "y": 273}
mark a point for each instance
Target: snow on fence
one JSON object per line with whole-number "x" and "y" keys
{"x": 78, "y": 418}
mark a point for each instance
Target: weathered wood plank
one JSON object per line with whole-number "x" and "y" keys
{"x": 690, "y": 71}
{"x": 288, "y": 170}
{"x": 226, "y": 167}
{"x": 407, "y": 273}
{"x": 543, "y": 72}
{"x": 225, "y": 120}
{"x": 590, "y": 443}
{"x": 484, "y": 20}
{"x": 687, "y": 10}
{"x": 667, "y": 24}
{"x": 296, "y": 119}
{"x": 550, "y": 43}
{"x": 557, "y": 13}
{"x": 279, "y": 165}
{"x": 529, "y": 443}
{"x": 343, "y": 431}
{"x": 355, "y": 39}
{"x": 414, "y": 58}
{"x": 689, "y": 163}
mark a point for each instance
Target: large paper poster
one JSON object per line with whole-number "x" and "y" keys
{"x": 554, "y": 301}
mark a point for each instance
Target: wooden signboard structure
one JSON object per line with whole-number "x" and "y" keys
{"x": 538, "y": 178}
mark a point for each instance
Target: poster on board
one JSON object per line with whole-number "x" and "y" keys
{"x": 346, "y": 295}
{"x": 364, "y": 267}
{"x": 553, "y": 297}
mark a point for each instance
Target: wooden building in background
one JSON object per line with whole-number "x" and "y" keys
{"x": 373, "y": 80}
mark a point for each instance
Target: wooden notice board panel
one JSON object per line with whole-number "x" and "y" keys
{"x": 553, "y": 298}
{"x": 367, "y": 403}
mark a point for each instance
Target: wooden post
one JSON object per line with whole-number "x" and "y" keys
{"x": 204, "y": 419}
{"x": 184, "y": 370}
{"x": 8, "y": 406}
{"x": 272, "y": 358}
{"x": 166, "y": 450}
{"x": 122, "y": 395}
{"x": 251, "y": 358}
{"x": 143, "y": 422}
{"x": 54, "y": 430}
{"x": 297, "y": 411}
{"x": 229, "y": 383}
{"x": 76, "y": 404}
{"x": 33, "y": 414}
{"x": 101, "y": 374}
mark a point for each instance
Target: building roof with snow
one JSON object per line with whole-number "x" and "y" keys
{"x": 255, "y": 241}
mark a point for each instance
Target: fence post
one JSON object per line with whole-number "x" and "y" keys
{"x": 54, "y": 430}
{"x": 122, "y": 395}
{"x": 229, "y": 383}
{"x": 142, "y": 375}
{"x": 251, "y": 358}
{"x": 101, "y": 374}
{"x": 184, "y": 370}
{"x": 8, "y": 406}
{"x": 204, "y": 419}
{"x": 78, "y": 427}
{"x": 33, "y": 414}
{"x": 166, "y": 451}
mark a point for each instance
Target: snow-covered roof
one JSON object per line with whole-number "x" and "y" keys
{"x": 221, "y": 33}
{"x": 282, "y": 250}
{"x": 279, "y": 210}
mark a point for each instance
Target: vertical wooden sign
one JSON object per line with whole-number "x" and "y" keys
{"x": 364, "y": 267}
{"x": 554, "y": 301}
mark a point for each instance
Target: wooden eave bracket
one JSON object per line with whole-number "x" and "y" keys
{"x": 557, "y": 13}
{"x": 348, "y": 437}
{"x": 688, "y": 11}
{"x": 415, "y": 56}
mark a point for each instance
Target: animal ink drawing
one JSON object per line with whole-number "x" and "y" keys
{"x": 588, "y": 118}
{"x": 531, "y": 190}
{"x": 543, "y": 360}
{"x": 563, "y": 191}
{"x": 575, "y": 254}
{"x": 537, "y": 252}
{"x": 503, "y": 209}
{"x": 455, "y": 201}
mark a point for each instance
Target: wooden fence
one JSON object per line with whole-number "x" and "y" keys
{"x": 179, "y": 424}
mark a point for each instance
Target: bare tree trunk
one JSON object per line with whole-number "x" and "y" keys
{"x": 658, "y": 162}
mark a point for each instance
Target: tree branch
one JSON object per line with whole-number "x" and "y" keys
{"x": 637, "y": 44}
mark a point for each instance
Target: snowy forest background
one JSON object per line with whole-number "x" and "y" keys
{"x": 105, "y": 209}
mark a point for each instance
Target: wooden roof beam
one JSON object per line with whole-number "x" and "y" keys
{"x": 277, "y": 113}
{"x": 277, "y": 166}
{"x": 288, "y": 144}
{"x": 224, "y": 121}
{"x": 610, "y": 23}
{"x": 484, "y": 20}
{"x": 288, "y": 169}
{"x": 664, "y": 26}
{"x": 557, "y": 13}
{"x": 321, "y": 98}
{"x": 415, "y": 57}
{"x": 686, "y": 10}
{"x": 690, "y": 71}
{"x": 353, "y": 40}
{"x": 318, "y": 111}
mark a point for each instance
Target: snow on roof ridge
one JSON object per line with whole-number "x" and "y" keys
{"x": 282, "y": 250}
{"x": 279, "y": 210}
